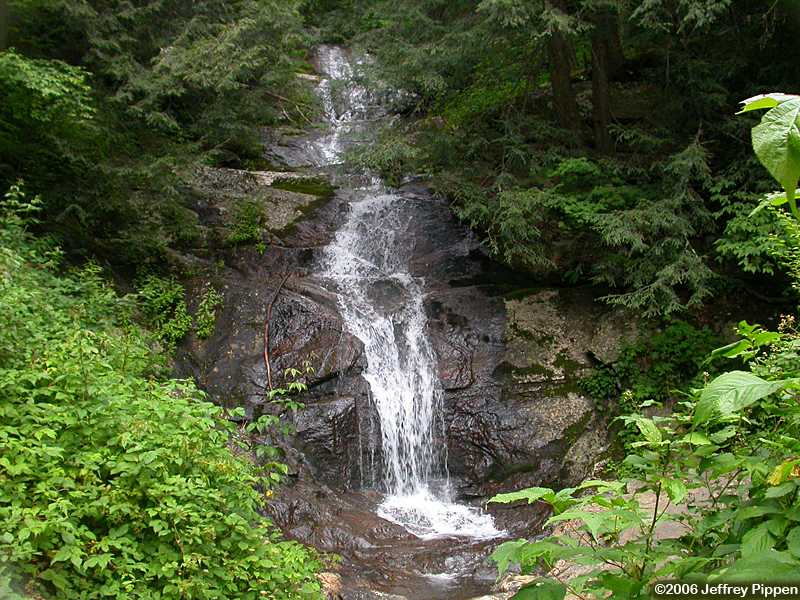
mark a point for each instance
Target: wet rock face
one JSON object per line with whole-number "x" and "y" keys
{"x": 305, "y": 327}
{"x": 508, "y": 366}
{"x": 523, "y": 420}
{"x": 510, "y": 363}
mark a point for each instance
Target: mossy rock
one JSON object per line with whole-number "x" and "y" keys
{"x": 314, "y": 186}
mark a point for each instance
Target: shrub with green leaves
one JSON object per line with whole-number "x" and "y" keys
{"x": 164, "y": 305}
{"x": 248, "y": 219}
{"x": 206, "y": 316}
{"x": 654, "y": 367}
{"x": 116, "y": 482}
{"x": 41, "y": 97}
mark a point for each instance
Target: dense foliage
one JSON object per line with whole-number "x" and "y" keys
{"x": 589, "y": 141}
{"x": 115, "y": 481}
{"x": 714, "y": 487}
{"x": 106, "y": 108}
{"x": 655, "y": 367}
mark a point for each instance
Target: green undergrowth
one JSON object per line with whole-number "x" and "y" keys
{"x": 654, "y": 366}
{"x": 247, "y": 226}
{"x": 115, "y": 480}
{"x": 207, "y": 312}
{"x": 163, "y": 303}
{"x": 652, "y": 369}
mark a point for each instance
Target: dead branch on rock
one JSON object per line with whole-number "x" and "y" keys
{"x": 295, "y": 104}
{"x": 267, "y": 320}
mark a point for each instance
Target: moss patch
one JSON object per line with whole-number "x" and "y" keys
{"x": 575, "y": 430}
{"x": 314, "y": 186}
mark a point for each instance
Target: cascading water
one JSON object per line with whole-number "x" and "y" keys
{"x": 383, "y": 305}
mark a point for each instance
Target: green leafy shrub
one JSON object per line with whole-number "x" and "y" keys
{"x": 752, "y": 239}
{"x": 164, "y": 305}
{"x": 206, "y": 313}
{"x": 116, "y": 482}
{"x": 652, "y": 371}
{"x": 722, "y": 469}
{"x": 40, "y": 96}
{"x": 246, "y": 227}
{"x": 655, "y": 366}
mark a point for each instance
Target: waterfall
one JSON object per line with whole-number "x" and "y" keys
{"x": 382, "y": 304}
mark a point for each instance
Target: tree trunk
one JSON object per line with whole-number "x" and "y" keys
{"x": 561, "y": 60}
{"x": 3, "y": 24}
{"x": 606, "y": 58}
{"x": 616, "y": 57}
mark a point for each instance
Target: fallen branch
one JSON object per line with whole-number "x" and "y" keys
{"x": 267, "y": 320}
{"x": 285, "y": 99}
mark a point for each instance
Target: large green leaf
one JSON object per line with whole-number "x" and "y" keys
{"x": 696, "y": 439}
{"x": 793, "y": 542}
{"x": 530, "y": 494}
{"x": 733, "y": 349}
{"x": 545, "y": 589}
{"x": 757, "y": 541}
{"x": 758, "y": 510}
{"x": 528, "y": 554}
{"x": 676, "y": 490}
{"x": 620, "y": 585}
{"x": 776, "y": 141}
{"x": 779, "y": 491}
{"x": 506, "y": 554}
{"x": 731, "y": 392}
{"x": 764, "y": 101}
{"x": 649, "y": 430}
{"x": 602, "y": 486}
{"x": 602, "y": 522}
{"x": 765, "y": 566}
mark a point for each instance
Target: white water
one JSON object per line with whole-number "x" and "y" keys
{"x": 383, "y": 306}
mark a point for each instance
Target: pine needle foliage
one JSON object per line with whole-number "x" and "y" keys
{"x": 152, "y": 89}
{"x": 504, "y": 97}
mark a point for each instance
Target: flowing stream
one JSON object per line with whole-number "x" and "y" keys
{"x": 382, "y": 304}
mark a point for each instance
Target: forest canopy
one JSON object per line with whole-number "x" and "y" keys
{"x": 108, "y": 106}
{"x": 590, "y": 141}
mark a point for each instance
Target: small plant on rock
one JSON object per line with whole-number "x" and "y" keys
{"x": 206, "y": 313}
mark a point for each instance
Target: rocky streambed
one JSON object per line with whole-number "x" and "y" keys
{"x": 507, "y": 357}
